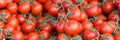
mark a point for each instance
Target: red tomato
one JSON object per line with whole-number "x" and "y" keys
{"x": 50, "y": 7}
{"x": 47, "y": 27}
{"x": 112, "y": 17}
{"x": 44, "y": 34}
{"x": 119, "y": 7}
{"x": 116, "y": 2}
{"x": 94, "y": 3}
{"x": 107, "y": 27}
{"x": 73, "y": 28}
{"x": 1, "y": 38}
{"x": 27, "y": 28}
{"x": 21, "y": 18}
{"x": 76, "y": 14}
{"x": 2, "y": 24}
{"x": 87, "y": 25}
{"x": 98, "y": 21}
{"x": 17, "y": 35}
{"x": 89, "y": 34}
{"x": 12, "y": 7}
{"x": 117, "y": 36}
{"x": 93, "y": 11}
{"x": 107, "y": 37}
{"x": 3, "y": 3}
{"x": 57, "y": 1}
{"x": 62, "y": 37}
{"x": 6, "y": 12}
{"x": 24, "y": 7}
{"x": 33, "y": 36}
{"x": 67, "y": 4}
{"x": 13, "y": 22}
{"x": 60, "y": 27}
{"x": 36, "y": 8}
{"x": 108, "y": 7}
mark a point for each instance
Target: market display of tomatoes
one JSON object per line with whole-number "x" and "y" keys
{"x": 59, "y": 19}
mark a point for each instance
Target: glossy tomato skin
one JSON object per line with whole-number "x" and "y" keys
{"x": 93, "y": 11}
{"x": 117, "y": 36}
{"x": 24, "y": 7}
{"x": 8, "y": 13}
{"x": 83, "y": 17}
{"x": 112, "y": 17}
{"x": 62, "y": 37}
{"x": 51, "y": 9}
{"x": 116, "y": 2}
{"x": 3, "y": 3}
{"x": 66, "y": 4}
{"x": 1, "y": 38}
{"x": 109, "y": 37}
{"x": 2, "y": 24}
{"x": 107, "y": 27}
{"x": 60, "y": 27}
{"x": 57, "y": 1}
{"x": 98, "y": 21}
{"x": 17, "y": 35}
{"x": 73, "y": 28}
{"x": 46, "y": 34}
{"x": 108, "y": 7}
{"x": 12, "y": 7}
{"x": 27, "y": 28}
{"x": 37, "y": 8}
{"x": 33, "y": 36}
{"x": 87, "y": 25}
{"x": 47, "y": 27}
{"x": 89, "y": 34}
{"x": 21, "y": 18}
{"x": 13, "y": 22}
{"x": 119, "y": 7}
{"x": 76, "y": 14}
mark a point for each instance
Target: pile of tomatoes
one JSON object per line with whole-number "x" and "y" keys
{"x": 59, "y": 19}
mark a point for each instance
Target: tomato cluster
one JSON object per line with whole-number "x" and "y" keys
{"x": 59, "y": 19}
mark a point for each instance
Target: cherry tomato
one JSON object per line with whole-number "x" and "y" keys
{"x": 16, "y": 1}
{"x": 17, "y": 35}
{"x": 24, "y": 7}
{"x": 36, "y": 8}
{"x": 33, "y": 36}
{"x": 47, "y": 27}
{"x": 3, "y": 3}
{"x": 73, "y": 28}
{"x": 6, "y": 12}
{"x": 76, "y": 14}
{"x": 117, "y": 36}
{"x": 108, "y": 7}
{"x": 42, "y": 1}
{"x": 112, "y": 17}
{"x": 12, "y": 7}
{"x": 62, "y": 37}
{"x": 87, "y": 25}
{"x": 60, "y": 27}
{"x": 21, "y": 18}
{"x": 83, "y": 16}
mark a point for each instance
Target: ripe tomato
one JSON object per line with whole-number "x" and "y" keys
{"x": 6, "y": 12}
{"x": 94, "y": 3}
{"x": 36, "y": 8}
{"x": 3, "y": 3}
{"x": 106, "y": 37}
{"x": 24, "y": 7}
{"x": 50, "y": 7}
{"x": 21, "y": 18}
{"x": 44, "y": 35}
{"x": 17, "y": 35}
{"x": 73, "y": 28}
{"x": 2, "y": 24}
{"x": 67, "y": 4}
{"x": 117, "y": 36}
{"x": 93, "y": 11}
{"x": 1, "y": 38}
{"x": 89, "y": 34}
{"x": 27, "y": 28}
{"x": 119, "y": 7}
{"x": 87, "y": 25}
{"x": 83, "y": 17}
{"x": 108, "y": 7}
{"x": 112, "y": 17}
{"x": 107, "y": 27}
{"x": 116, "y": 2}
{"x": 98, "y": 21}
{"x": 60, "y": 27}
{"x": 76, "y": 14}
{"x": 33, "y": 36}
{"x": 63, "y": 36}
{"x": 47, "y": 27}
{"x": 12, "y": 7}
{"x": 13, "y": 22}
{"x": 57, "y": 1}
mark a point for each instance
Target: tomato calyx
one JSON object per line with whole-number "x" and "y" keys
{"x": 105, "y": 37}
{"x": 41, "y": 37}
{"x": 8, "y": 32}
{"x": 2, "y": 16}
{"x": 78, "y": 37}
